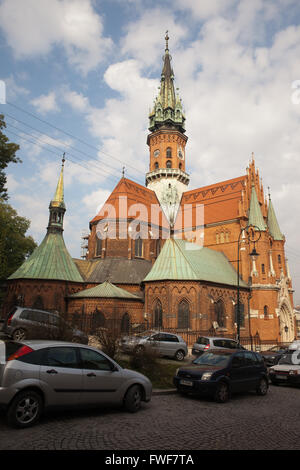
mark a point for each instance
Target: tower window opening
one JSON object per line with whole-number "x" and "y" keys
{"x": 169, "y": 164}
{"x": 279, "y": 259}
{"x": 169, "y": 152}
{"x": 156, "y": 165}
{"x": 138, "y": 247}
{"x": 263, "y": 269}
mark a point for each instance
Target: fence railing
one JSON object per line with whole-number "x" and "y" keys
{"x": 90, "y": 323}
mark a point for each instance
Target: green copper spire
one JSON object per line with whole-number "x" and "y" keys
{"x": 167, "y": 110}
{"x": 255, "y": 214}
{"x": 272, "y": 223}
{"x": 51, "y": 259}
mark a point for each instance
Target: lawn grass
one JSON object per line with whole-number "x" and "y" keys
{"x": 160, "y": 373}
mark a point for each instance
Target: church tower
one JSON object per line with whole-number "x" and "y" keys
{"x": 167, "y": 141}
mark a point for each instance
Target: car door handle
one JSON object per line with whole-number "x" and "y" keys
{"x": 52, "y": 371}
{"x": 91, "y": 374}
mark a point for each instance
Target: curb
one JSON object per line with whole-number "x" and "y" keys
{"x": 169, "y": 391}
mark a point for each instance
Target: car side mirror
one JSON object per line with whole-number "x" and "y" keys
{"x": 114, "y": 368}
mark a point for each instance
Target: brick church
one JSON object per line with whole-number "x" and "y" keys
{"x": 209, "y": 259}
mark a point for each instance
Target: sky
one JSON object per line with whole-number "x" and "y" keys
{"x": 79, "y": 76}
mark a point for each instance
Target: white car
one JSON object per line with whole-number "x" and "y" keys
{"x": 288, "y": 368}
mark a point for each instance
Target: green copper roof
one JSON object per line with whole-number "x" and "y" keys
{"x": 255, "y": 214}
{"x": 181, "y": 260}
{"x": 273, "y": 223}
{"x": 50, "y": 260}
{"x": 105, "y": 290}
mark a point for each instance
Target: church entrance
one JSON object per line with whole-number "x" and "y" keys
{"x": 287, "y": 327}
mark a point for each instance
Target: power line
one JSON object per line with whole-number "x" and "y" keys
{"x": 56, "y": 154}
{"x": 62, "y": 144}
{"x": 42, "y": 144}
{"x": 74, "y": 137}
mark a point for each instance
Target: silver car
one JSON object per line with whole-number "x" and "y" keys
{"x": 205, "y": 343}
{"x": 25, "y": 323}
{"x": 37, "y": 375}
{"x": 164, "y": 344}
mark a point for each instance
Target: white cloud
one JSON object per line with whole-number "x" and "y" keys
{"x": 33, "y": 28}
{"x": 45, "y": 103}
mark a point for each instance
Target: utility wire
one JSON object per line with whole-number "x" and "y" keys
{"x": 74, "y": 137}
{"x": 39, "y": 142}
{"x": 62, "y": 144}
{"x": 59, "y": 154}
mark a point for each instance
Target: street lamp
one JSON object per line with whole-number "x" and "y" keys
{"x": 253, "y": 255}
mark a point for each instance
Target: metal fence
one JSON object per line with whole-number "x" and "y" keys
{"x": 91, "y": 322}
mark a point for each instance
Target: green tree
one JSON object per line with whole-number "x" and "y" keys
{"x": 15, "y": 246}
{"x": 7, "y": 155}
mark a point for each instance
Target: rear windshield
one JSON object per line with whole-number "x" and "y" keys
{"x": 202, "y": 340}
{"x": 11, "y": 347}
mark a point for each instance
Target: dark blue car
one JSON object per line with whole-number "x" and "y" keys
{"x": 220, "y": 373}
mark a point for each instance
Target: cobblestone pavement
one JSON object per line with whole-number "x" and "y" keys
{"x": 170, "y": 422}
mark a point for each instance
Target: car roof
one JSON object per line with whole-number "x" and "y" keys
{"x": 217, "y": 337}
{"x": 43, "y": 343}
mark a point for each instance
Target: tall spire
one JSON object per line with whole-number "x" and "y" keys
{"x": 57, "y": 206}
{"x": 58, "y": 199}
{"x": 255, "y": 214}
{"x": 272, "y": 222}
{"x": 167, "y": 110}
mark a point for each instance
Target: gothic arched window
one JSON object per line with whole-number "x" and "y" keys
{"x": 183, "y": 320}
{"x": 98, "y": 319}
{"x": 158, "y": 314}
{"x": 98, "y": 246}
{"x": 220, "y": 313}
{"x": 125, "y": 323}
{"x": 138, "y": 247}
{"x": 169, "y": 164}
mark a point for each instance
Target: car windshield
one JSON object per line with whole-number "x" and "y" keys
{"x": 287, "y": 358}
{"x": 219, "y": 359}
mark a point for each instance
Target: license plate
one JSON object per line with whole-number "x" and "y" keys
{"x": 186, "y": 382}
{"x": 284, "y": 377}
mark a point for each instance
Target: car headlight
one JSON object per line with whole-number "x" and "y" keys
{"x": 293, "y": 372}
{"x": 206, "y": 375}
{"x": 271, "y": 371}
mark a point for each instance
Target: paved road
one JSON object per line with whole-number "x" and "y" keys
{"x": 170, "y": 422}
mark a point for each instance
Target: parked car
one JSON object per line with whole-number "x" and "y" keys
{"x": 288, "y": 368}
{"x": 204, "y": 343}
{"x": 164, "y": 344}
{"x": 221, "y": 372}
{"x": 36, "y": 375}
{"x": 28, "y": 323}
{"x": 295, "y": 344}
{"x": 272, "y": 355}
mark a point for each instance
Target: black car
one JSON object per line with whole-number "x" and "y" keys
{"x": 272, "y": 355}
{"x": 221, "y": 372}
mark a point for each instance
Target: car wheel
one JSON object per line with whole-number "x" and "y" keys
{"x": 222, "y": 393}
{"x": 179, "y": 356}
{"x": 133, "y": 399}
{"x": 25, "y": 409}
{"x": 262, "y": 388}
{"x": 19, "y": 334}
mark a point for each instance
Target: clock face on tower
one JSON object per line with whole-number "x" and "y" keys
{"x": 180, "y": 153}
{"x": 156, "y": 153}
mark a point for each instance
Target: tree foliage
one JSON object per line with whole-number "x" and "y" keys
{"x": 7, "y": 155}
{"x": 15, "y": 246}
